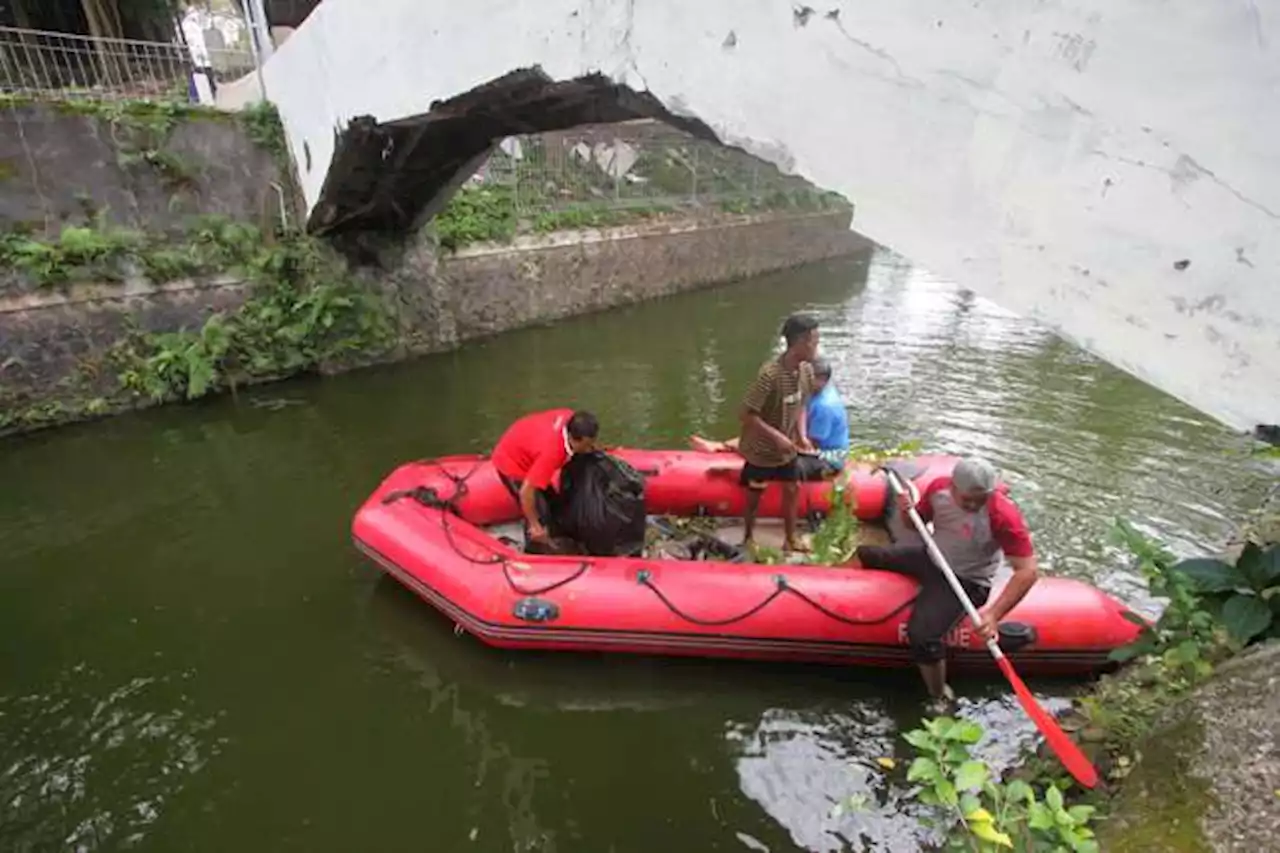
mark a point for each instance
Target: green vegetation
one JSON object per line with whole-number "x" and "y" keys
{"x": 261, "y": 122}
{"x": 976, "y": 811}
{"x": 304, "y": 311}
{"x": 1214, "y": 609}
{"x": 837, "y": 535}
{"x": 102, "y": 253}
{"x": 302, "y": 314}
{"x": 551, "y": 188}
{"x": 1214, "y": 606}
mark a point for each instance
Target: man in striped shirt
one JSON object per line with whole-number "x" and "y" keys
{"x": 828, "y": 427}
{"x": 774, "y": 425}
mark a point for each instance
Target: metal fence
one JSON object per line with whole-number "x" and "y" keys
{"x": 61, "y": 65}
{"x": 641, "y": 164}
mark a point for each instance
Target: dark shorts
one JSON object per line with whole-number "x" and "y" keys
{"x": 756, "y": 476}
{"x": 814, "y": 468}
{"x": 936, "y": 608}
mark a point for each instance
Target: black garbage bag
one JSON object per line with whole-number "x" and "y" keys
{"x": 600, "y": 505}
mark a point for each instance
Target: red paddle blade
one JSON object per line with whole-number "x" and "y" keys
{"x": 1064, "y": 747}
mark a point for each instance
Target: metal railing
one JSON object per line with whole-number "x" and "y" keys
{"x": 60, "y": 65}
{"x": 641, "y": 164}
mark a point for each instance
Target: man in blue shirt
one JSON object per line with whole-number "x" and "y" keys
{"x": 827, "y": 426}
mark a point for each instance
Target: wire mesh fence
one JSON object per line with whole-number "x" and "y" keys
{"x": 636, "y": 165}
{"x": 61, "y": 65}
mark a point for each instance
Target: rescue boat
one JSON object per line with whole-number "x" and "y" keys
{"x": 430, "y": 525}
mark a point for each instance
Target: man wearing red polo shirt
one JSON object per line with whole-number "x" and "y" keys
{"x": 974, "y": 526}
{"x": 531, "y": 453}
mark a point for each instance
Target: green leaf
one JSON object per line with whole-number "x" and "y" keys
{"x": 947, "y": 792}
{"x": 1146, "y": 643}
{"x": 1261, "y": 568}
{"x": 1086, "y": 845}
{"x": 1018, "y": 790}
{"x": 921, "y": 740}
{"x": 1081, "y": 814}
{"x": 965, "y": 731}
{"x": 1187, "y": 651}
{"x": 969, "y": 803}
{"x": 1245, "y": 617}
{"x": 1053, "y": 798}
{"x": 1039, "y": 816}
{"x": 978, "y": 815}
{"x": 923, "y": 770}
{"x": 971, "y": 775}
{"x": 987, "y": 832}
{"x": 1210, "y": 575}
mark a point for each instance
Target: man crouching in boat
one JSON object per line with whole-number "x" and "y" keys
{"x": 973, "y": 524}
{"x": 774, "y": 425}
{"x": 827, "y": 425}
{"x": 530, "y": 454}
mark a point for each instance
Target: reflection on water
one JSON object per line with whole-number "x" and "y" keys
{"x": 191, "y": 565}
{"x": 70, "y": 752}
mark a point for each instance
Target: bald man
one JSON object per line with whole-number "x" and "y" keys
{"x": 974, "y": 524}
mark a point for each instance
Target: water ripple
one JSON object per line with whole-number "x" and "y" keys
{"x": 69, "y": 752}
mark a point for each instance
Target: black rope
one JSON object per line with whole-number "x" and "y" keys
{"x": 449, "y": 506}
{"x": 831, "y": 614}
{"x": 643, "y": 579}
{"x": 542, "y": 590}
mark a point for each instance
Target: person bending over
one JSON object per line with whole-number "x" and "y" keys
{"x": 973, "y": 524}
{"x": 828, "y": 427}
{"x": 774, "y": 425}
{"x": 531, "y": 453}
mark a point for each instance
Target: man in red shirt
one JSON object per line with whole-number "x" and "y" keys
{"x": 973, "y": 524}
{"x": 531, "y": 453}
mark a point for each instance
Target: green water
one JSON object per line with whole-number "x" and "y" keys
{"x": 195, "y": 658}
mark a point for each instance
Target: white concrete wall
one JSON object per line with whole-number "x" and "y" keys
{"x": 1056, "y": 156}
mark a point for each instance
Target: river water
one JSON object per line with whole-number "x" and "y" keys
{"x": 196, "y": 659}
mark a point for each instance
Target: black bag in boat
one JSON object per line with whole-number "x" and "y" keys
{"x": 600, "y": 505}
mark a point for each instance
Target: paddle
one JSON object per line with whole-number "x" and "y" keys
{"x": 1068, "y": 753}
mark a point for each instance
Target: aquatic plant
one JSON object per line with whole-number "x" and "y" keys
{"x": 836, "y": 537}
{"x": 978, "y": 812}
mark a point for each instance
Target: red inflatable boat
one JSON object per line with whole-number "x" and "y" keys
{"x": 426, "y": 526}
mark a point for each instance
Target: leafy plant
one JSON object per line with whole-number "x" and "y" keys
{"x": 837, "y": 536}
{"x": 1186, "y": 636}
{"x": 262, "y": 124}
{"x": 302, "y": 314}
{"x": 78, "y": 253}
{"x": 476, "y": 215}
{"x": 1245, "y": 596}
{"x": 982, "y": 814}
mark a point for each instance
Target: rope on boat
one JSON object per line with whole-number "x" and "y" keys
{"x": 783, "y": 587}
{"x": 449, "y": 506}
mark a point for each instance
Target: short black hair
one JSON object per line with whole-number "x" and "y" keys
{"x": 821, "y": 368}
{"x": 797, "y": 326}
{"x": 583, "y": 424}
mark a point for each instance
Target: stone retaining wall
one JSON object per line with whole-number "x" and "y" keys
{"x": 49, "y": 337}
